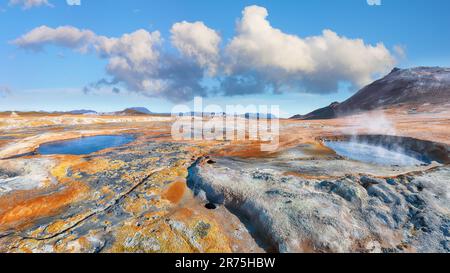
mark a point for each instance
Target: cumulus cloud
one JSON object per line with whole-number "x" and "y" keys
{"x": 134, "y": 59}
{"x": 315, "y": 64}
{"x": 197, "y": 41}
{"x": 28, "y": 4}
{"x": 65, "y": 36}
{"x": 258, "y": 44}
{"x": 259, "y": 58}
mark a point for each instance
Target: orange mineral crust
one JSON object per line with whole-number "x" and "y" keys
{"x": 21, "y": 209}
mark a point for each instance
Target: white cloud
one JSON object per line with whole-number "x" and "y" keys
{"x": 318, "y": 63}
{"x": 27, "y": 4}
{"x": 66, "y": 36}
{"x": 348, "y": 59}
{"x": 134, "y": 59}
{"x": 258, "y": 44}
{"x": 134, "y": 52}
{"x": 197, "y": 41}
{"x": 259, "y": 58}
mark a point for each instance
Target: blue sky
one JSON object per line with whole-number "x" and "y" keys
{"x": 54, "y": 78}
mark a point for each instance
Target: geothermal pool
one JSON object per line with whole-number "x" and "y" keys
{"x": 372, "y": 154}
{"x": 85, "y": 145}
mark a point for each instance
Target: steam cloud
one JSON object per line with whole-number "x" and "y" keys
{"x": 373, "y": 123}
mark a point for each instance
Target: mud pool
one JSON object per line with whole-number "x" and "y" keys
{"x": 374, "y": 154}
{"x": 85, "y": 145}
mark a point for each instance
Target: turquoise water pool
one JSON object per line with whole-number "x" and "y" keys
{"x": 85, "y": 145}
{"x": 373, "y": 154}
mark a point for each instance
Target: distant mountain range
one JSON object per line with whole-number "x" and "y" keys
{"x": 82, "y": 112}
{"x": 413, "y": 87}
{"x": 133, "y": 111}
{"x": 137, "y": 111}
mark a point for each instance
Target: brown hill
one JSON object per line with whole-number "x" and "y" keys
{"x": 412, "y": 87}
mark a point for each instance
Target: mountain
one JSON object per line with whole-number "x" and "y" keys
{"x": 82, "y": 112}
{"x": 413, "y": 87}
{"x": 134, "y": 111}
{"x": 322, "y": 113}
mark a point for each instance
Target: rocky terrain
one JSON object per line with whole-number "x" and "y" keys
{"x": 156, "y": 194}
{"x": 331, "y": 210}
{"x": 412, "y": 87}
{"x": 128, "y": 199}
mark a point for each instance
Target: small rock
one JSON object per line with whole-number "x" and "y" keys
{"x": 345, "y": 191}
{"x": 325, "y": 185}
{"x": 446, "y": 245}
{"x": 446, "y": 230}
{"x": 367, "y": 181}
{"x": 391, "y": 181}
{"x": 376, "y": 191}
{"x": 202, "y": 229}
{"x": 416, "y": 201}
{"x": 262, "y": 176}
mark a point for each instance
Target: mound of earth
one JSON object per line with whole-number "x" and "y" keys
{"x": 134, "y": 111}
